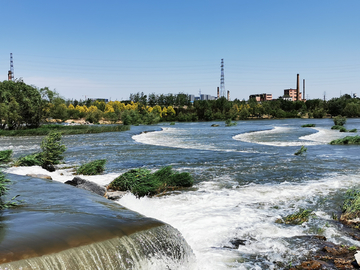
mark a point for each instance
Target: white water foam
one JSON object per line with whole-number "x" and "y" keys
{"x": 63, "y": 175}
{"x": 211, "y": 216}
{"x": 179, "y": 138}
{"x": 322, "y": 136}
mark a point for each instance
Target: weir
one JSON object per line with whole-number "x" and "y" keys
{"x": 58, "y": 226}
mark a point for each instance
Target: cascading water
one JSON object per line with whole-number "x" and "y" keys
{"x": 61, "y": 227}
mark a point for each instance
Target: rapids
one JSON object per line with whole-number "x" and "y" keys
{"x": 246, "y": 177}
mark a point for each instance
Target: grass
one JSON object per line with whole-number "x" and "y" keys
{"x": 5, "y": 156}
{"x": 92, "y": 168}
{"x": 141, "y": 182}
{"x": 308, "y": 125}
{"x": 347, "y": 140}
{"x": 64, "y": 130}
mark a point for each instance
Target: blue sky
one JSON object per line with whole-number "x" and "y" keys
{"x": 109, "y": 49}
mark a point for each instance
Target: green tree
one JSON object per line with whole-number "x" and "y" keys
{"x": 52, "y": 151}
{"x": 24, "y": 97}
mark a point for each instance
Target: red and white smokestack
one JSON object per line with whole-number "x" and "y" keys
{"x": 218, "y": 93}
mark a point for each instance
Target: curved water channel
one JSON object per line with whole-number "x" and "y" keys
{"x": 246, "y": 177}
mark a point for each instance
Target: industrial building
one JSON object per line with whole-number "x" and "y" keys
{"x": 292, "y": 94}
{"x": 261, "y": 97}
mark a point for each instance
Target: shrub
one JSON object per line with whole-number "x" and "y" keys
{"x": 51, "y": 154}
{"x": 339, "y": 120}
{"x": 308, "y": 125}
{"x": 52, "y": 150}
{"x": 29, "y": 160}
{"x": 129, "y": 179}
{"x": 347, "y": 140}
{"x": 336, "y": 127}
{"x": 228, "y": 123}
{"x": 92, "y": 168}
{"x": 342, "y": 129}
{"x": 5, "y": 156}
{"x": 141, "y": 182}
{"x": 352, "y": 130}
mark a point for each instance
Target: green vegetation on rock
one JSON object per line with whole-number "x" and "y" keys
{"x": 308, "y": 125}
{"x": 4, "y": 182}
{"x": 141, "y": 182}
{"x": 29, "y": 160}
{"x": 229, "y": 123}
{"x": 339, "y": 120}
{"x": 52, "y": 150}
{"x": 5, "y": 156}
{"x": 92, "y": 168}
{"x": 347, "y": 140}
{"x": 298, "y": 218}
{"x": 52, "y": 153}
{"x": 301, "y": 151}
{"x": 351, "y": 205}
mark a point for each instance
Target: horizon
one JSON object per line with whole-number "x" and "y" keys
{"x": 163, "y": 47}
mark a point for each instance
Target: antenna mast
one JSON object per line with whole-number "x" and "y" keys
{"x": 222, "y": 80}
{"x": 11, "y": 71}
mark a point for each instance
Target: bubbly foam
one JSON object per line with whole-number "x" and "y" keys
{"x": 264, "y": 137}
{"x": 211, "y": 216}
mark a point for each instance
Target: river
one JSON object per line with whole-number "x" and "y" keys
{"x": 246, "y": 177}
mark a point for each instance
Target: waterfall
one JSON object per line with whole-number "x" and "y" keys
{"x": 157, "y": 248}
{"x": 61, "y": 227}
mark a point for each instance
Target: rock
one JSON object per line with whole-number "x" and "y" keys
{"x": 48, "y": 167}
{"x": 87, "y": 185}
{"x": 236, "y": 242}
{"x": 42, "y": 176}
{"x": 115, "y": 195}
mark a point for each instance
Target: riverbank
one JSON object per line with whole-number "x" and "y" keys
{"x": 65, "y": 130}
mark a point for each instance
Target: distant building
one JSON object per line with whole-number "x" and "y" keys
{"x": 207, "y": 97}
{"x": 192, "y": 98}
{"x": 100, "y": 99}
{"x": 292, "y": 93}
{"x": 261, "y": 97}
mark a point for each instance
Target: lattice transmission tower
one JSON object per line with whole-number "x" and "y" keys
{"x": 222, "y": 80}
{"x": 11, "y": 71}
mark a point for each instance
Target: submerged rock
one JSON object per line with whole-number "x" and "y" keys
{"x": 42, "y": 176}
{"x": 115, "y": 195}
{"x": 87, "y": 185}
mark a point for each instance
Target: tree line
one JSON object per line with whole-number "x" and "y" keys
{"x": 26, "y": 106}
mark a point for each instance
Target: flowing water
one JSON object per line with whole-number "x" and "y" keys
{"x": 246, "y": 177}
